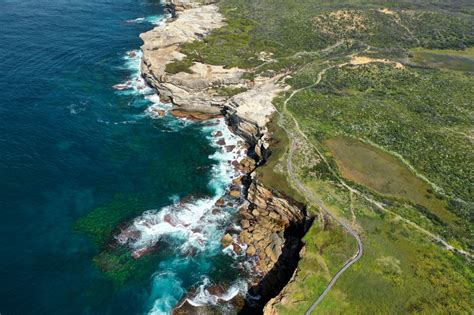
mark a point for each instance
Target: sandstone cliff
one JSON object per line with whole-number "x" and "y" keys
{"x": 272, "y": 226}
{"x": 198, "y": 90}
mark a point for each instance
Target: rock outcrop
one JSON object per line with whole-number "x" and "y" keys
{"x": 265, "y": 220}
{"x": 196, "y": 90}
{"x": 272, "y": 230}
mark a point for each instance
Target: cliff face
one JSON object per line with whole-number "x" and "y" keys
{"x": 272, "y": 229}
{"x": 272, "y": 226}
{"x": 192, "y": 91}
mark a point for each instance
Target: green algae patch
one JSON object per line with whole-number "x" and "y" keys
{"x": 122, "y": 269}
{"x": 457, "y": 60}
{"x": 384, "y": 173}
{"x": 101, "y": 222}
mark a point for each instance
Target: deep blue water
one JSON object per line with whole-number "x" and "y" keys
{"x": 70, "y": 143}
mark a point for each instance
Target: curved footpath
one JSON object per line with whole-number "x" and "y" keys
{"x": 313, "y": 199}
{"x": 346, "y": 226}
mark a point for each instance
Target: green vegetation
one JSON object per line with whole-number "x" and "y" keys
{"x": 328, "y": 247}
{"x": 419, "y": 114}
{"x": 179, "y": 66}
{"x": 116, "y": 262}
{"x": 376, "y": 169}
{"x": 122, "y": 269}
{"x": 284, "y": 28}
{"x": 400, "y": 271}
{"x": 231, "y": 45}
{"x": 273, "y": 173}
{"x": 230, "y": 91}
{"x": 459, "y": 60}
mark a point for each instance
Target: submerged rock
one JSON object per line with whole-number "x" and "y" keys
{"x": 220, "y": 202}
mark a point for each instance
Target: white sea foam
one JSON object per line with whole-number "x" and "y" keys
{"x": 75, "y": 109}
{"x": 152, "y": 19}
{"x": 203, "y": 297}
{"x": 166, "y": 291}
{"x": 135, "y": 84}
{"x": 137, "y": 20}
{"x": 157, "y": 19}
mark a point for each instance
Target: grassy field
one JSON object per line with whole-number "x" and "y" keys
{"x": 283, "y": 28}
{"x": 420, "y": 115}
{"x": 458, "y": 60}
{"x": 378, "y": 170}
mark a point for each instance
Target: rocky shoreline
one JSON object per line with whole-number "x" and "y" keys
{"x": 271, "y": 226}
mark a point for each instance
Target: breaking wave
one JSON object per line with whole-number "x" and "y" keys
{"x": 152, "y": 19}
{"x": 204, "y": 297}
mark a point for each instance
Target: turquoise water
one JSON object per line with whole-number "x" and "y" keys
{"x": 70, "y": 144}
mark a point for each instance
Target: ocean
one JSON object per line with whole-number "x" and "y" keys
{"x": 106, "y": 207}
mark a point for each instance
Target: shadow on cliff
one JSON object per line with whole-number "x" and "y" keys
{"x": 280, "y": 275}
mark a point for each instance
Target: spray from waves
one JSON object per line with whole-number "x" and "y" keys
{"x": 194, "y": 228}
{"x": 135, "y": 84}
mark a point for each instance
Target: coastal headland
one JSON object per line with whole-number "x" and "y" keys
{"x": 271, "y": 225}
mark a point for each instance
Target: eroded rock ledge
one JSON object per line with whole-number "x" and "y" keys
{"x": 272, "y": 225}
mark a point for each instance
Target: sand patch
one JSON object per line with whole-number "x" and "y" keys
{"x": 362, "y": 60}
{"x": 387, "y": 11}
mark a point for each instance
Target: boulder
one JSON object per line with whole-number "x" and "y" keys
{"x": 247, "y": 165}
{"x": 237, "y": 181}
{"x": 251, "y": 250}
{"x": 227, "y": 240}
{"x": 273, "y": 252}
{"x": 229, "y": 148}
{"x": 235, "y": 193}
{"x": 237, "y": 249}
{"x": 220, "y": 202}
